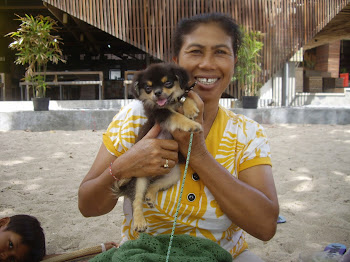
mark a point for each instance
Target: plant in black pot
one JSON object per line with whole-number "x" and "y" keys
{"x": 36, "y": 46}
{"x": 248, "y": 67}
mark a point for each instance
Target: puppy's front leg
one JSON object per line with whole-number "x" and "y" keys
{"x": 140, "y": 224}
{"x": 179, "y": 121}
{"x": 190, "y": 108}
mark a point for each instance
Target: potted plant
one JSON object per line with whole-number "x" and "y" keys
{"x": 345, "y": 75}
{"x": 36, "y": 46}
{"x": 248, "y": 66}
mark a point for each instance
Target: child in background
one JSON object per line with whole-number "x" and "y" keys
{"x": 21, "y": 239}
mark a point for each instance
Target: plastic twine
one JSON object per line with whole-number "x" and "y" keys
{"x": 180, "y": 196}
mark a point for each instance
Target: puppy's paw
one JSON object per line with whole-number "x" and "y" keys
{"x": 190, "y": 110}
{"x": 140, "y": 224}
{"x": 194, "y": 127}
{"x": 150, "y": 199}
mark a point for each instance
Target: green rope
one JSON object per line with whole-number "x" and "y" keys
{"x": 180, "y": 196}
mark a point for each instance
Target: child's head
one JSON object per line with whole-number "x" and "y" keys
{"x": 21, "y": 239}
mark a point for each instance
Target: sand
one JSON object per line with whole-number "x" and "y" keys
{"x": 41, "y": 172}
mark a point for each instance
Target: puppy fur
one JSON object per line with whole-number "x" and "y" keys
{"x": 160, "y": 87}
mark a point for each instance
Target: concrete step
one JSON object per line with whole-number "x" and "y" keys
{"x": 99, "y": 118}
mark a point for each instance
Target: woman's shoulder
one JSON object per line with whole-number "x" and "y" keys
{"x": 242, "y": 126}
{"x": 132, "y": 108}
{"x": 239, "y": 118}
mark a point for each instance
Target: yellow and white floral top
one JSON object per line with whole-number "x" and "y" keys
{"x": 235, "y": 141}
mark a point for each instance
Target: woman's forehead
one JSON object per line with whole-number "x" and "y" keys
{"x": 208, "y": 34}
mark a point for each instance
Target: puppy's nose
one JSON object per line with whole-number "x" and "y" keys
{"x": 158, "y": 92}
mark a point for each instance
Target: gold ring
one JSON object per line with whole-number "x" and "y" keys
{"x": 166, "y": 165}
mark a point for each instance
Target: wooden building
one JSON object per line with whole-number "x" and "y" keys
{"x": 117, "y": 36}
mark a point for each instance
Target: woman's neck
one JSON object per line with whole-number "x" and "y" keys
{"x": 210, "y": 112}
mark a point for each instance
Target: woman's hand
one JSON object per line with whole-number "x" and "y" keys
{"x": 109, "y": 245}
{"x": 183, "y": 138}
{"x": 148, "y": 156}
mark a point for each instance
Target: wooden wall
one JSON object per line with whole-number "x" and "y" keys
{"x": 286, "y": 25}
{"x": 327, "y": 58}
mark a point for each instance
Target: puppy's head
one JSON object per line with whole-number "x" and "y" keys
{"x": 160, "y": 84}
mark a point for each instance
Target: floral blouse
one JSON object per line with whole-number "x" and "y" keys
{"x": 235, "y": 141}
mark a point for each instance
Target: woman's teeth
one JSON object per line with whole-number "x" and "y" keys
{"x": 206, "y": 81}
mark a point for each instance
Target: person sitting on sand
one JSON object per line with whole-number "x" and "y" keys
{"x": 21, "y": 239}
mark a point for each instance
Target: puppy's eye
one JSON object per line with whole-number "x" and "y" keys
{"x": 148, "y": 89}
{"x": 168, "y": 84}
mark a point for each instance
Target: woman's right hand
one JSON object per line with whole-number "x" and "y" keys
{"x": 147, "y": 157}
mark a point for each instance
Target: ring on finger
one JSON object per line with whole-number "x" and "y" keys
{"x": 166, "y": 165}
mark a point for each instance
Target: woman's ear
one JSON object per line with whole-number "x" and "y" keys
{"x": 175, "y": 59}
{"x": 4, "y": 222}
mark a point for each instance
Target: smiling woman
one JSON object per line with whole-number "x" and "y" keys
{"x": 231, "y": 188}
{"x": 209, "y": 57}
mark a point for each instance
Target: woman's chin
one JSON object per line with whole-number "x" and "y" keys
{"x": 208, "y": 91}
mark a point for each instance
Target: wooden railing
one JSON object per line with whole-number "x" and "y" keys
{"x": 79, "y": 81}
{"x": 286, "y": 25}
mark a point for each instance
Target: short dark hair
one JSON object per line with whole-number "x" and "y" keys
{"x": 29, "y": 228}
{"x": 188, "y": 25}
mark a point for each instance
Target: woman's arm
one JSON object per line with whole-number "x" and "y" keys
{"x": 95, "y": 196}
{"x": 145, "y": 158}
{"x": 250, "y": 201}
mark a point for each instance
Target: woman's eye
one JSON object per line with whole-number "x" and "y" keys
{"x": 195, "y": 51}
{"x": 168, "y": 84}
{"x": 10, "y": 244}
{"x": 221, "y": 52}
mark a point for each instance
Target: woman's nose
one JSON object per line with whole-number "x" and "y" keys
{"x": 207, "y": 62}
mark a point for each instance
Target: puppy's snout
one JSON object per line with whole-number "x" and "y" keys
{"x": 158, "y": 92}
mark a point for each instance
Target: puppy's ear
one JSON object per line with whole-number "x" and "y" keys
{"x": 135, "y": 89}
{"x": 182, "y": 76}
{"x": 135, "y": 85}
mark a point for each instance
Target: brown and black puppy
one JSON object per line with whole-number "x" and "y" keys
{"x": 163, "y": 89}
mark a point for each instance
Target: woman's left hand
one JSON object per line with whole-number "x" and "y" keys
{"x": 109, "y": 245}
{"x": 183, "y": 137}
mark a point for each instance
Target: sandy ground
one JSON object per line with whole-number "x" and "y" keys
{"x": 41, "y": 172}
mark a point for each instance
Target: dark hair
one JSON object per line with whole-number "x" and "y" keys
{"x": 188, "y": 25}
{"x": 32, "y": 235}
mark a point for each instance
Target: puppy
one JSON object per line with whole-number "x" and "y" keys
{"x": 163, "y": 89}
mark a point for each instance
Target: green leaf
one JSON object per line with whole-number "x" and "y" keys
{"x": 248, "y": 62}
{"x": 36, "y": 46}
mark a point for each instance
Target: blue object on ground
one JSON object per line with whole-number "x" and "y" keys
{"x": 336, "y": 248}
{"x": 281, "y": 219}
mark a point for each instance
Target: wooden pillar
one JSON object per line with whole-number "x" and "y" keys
{"x": 328, "y": 57}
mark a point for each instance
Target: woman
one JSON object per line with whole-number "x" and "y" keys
{"x": 229, "y": 188}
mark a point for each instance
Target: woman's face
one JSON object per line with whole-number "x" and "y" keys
{"x": 11, "y": 246}
{"x": 207, "y": 55}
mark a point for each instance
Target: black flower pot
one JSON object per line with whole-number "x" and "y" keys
{"x": 250, "y": 102}
{"x": 41, "y": 103}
